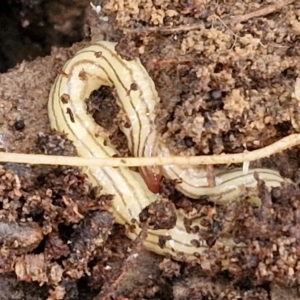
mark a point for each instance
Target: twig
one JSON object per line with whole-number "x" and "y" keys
{"x": 163, "y": 29}
{"x": 269, "y": 9}
{"x": 38, "y": 159}
{"x": 236, "y": 19}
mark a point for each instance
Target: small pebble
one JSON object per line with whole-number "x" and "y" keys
{"x": 19, "y": 125}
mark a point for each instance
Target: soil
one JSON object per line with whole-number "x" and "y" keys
{"x": 226, "y": 75}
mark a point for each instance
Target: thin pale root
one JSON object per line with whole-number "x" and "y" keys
{"x": 37, "y": 159}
